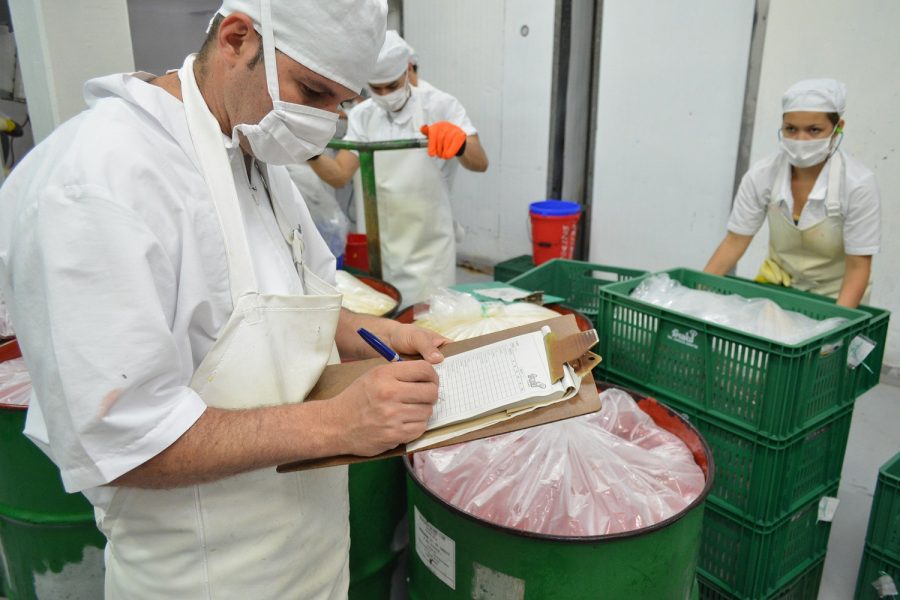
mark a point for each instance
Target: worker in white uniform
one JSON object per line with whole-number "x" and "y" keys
{"x": 822, "y": 205}
{"x": 418, "y": 245}
{"x": 175, "y": 305}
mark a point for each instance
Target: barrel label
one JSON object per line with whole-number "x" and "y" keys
{"x": 435, "y": 550}
{"x": 488, "y": 584}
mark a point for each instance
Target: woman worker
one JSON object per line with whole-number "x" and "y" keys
{"x": 822, "y": 204}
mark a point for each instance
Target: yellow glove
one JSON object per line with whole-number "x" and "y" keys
{"x": 771, "y": 272}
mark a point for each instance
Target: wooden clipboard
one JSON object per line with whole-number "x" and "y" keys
{"x": 336, "y": 378}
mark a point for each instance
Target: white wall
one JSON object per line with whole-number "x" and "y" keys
{"x": 62, "y": 44}
{"x": 475, "y": 50}
{"x": 165, "y": 31}
{"x": 858, "y": 44}
{"x": 670, "y": 97}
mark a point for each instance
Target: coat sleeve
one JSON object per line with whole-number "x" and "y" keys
{"x": 93, "y": 298}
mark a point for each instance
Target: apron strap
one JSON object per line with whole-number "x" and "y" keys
{"x": 784, "y": 175}
{"x": 210, "y": 149}
{"x": 835, "y": 178}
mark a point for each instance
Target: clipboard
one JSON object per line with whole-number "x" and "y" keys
{"x": 335, "y": 378}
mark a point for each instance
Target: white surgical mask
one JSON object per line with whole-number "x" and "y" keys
{"x": 289, "y": 133}
{"x": 806, "y": 153}
{"x": 392, "y": 101}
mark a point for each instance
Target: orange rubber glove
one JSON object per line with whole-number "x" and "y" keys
{"x": 445, "y": 140}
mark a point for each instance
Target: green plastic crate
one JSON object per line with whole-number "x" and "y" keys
{"x": 576, "y": 281}
{"x": 865, "y": 377}
{"x": 746, "y": 561}
{"x": 874, "y": 565}
{"x": 506, "y": 270}
{"x": 804, "y": 587}
{"x": 763, "y": 386}
{"x": 884, "y": 520}
{"x": 761, "y": 480}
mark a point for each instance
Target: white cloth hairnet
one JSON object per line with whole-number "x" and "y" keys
{"x": 338, "y": 39}
{"x": 413, "y": 57}
{"x": 815, "y": 95}
{"x": 392, "y": 60}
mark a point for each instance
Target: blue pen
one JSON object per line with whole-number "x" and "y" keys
{"x": 380, "y": 347}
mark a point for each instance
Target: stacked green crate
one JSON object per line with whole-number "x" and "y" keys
{"x": 868, "y": 374}
{"x": 578, "y": 282}
{"x": 881, "y": 556}
{"x": 506, "y": 270}
{"x": 776, "y": 416}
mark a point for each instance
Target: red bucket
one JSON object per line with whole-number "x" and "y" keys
{"x": 553, "y": 227}
{"x": 357, "y": 253}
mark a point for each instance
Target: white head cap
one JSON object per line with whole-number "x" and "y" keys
{"x": 413, "y": 57}
{"x": 392, "y": 60}
{"x": 338, "y": 39}
{"x": 815, "y": 95}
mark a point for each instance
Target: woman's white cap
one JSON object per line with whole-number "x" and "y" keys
{"x": 338, "y": 39}
{"x": 815, "y": 95}
{"x": 392, "y": 60}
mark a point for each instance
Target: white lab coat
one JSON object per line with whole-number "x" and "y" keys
{"x": 415, "y": 218}
{"x": 114, "y": 202}
{"x": 766, "y": 183}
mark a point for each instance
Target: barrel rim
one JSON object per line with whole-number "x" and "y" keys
{"x": 409, "y": 312}
{"x": 593, "y": 539}
{"x": 392, "y": 290}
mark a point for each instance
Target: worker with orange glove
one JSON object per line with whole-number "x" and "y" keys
{"x": 418, "y": 235}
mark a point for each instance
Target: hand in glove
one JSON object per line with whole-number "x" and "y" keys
{"x": 445, "y": 140}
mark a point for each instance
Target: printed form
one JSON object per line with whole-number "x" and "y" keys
{"x": 506, "y": 375}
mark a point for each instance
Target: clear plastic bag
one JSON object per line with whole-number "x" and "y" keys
{"x": 15, "y": 383}
{"x": 757, "y": 316}
{"x": 459, "y": 316}
{"x": 608, "y": 472}
{"x": 360, "y": 298}
{"x": 330, "y": 220}
{"x": 6, "y": 329}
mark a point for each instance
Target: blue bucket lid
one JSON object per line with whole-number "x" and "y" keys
{"x": 554, "y": 208}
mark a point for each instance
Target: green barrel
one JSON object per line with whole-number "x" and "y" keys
{"x": 455, "y": 555}
{"x": 50, "y": 546}
{"x": 377, "y": 504}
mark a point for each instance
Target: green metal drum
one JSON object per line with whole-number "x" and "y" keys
{"x": 50, "y": 545}
{"x": 455, "y": 555}
{"x": 377, "y": 504}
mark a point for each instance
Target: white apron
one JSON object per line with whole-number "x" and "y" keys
{"x": 260, "y": 534}
{"x": 418, "y": 245}
{"x": 813, "y": 259}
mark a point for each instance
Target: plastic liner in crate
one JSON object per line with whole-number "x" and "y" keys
{"x": 873, "y": 567}
{"x": 747, "y": 561}
{"x": 804, "y": 587}
{"x": 506, "y": 270}
{"x": 577, "y": 281}
{"x": 868, "y": 374}
{"x": 755, "y": 383}
{"x": 763, "y": 480}
{"x": 884, "y": 520}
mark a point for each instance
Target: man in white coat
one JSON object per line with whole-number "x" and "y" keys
{"x": 175, "y": 305}
{"x": 418, "y": 246}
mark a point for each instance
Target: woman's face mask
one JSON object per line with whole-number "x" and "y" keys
{"x": 808, "y": 152}
{"x": 289, "y": 133}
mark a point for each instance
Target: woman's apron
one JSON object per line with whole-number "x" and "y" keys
{"x": 418, "y": 240}
{"x": 813, "y": 259}
{"x": 259, "y": 534}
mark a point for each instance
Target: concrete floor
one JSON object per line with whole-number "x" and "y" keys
{"x": 874, "y": 438}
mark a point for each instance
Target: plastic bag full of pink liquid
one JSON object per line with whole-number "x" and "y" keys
{"x": 608, "y": 472}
